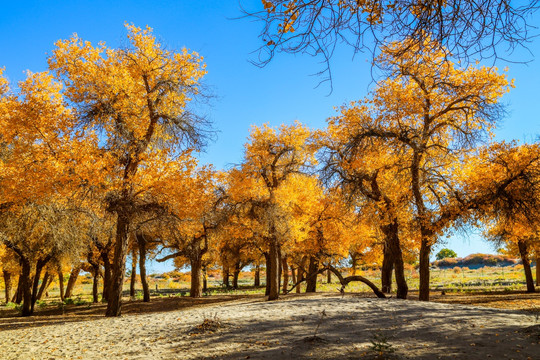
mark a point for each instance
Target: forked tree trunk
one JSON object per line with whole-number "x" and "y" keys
{"x": 44, "y": 284}
{"x": 7, "y": 285}
{"x": 73, "y": 275}
{"x": 300, "y": 273}
{"x": 26, "y": 286}
{"x": 141, "y": 243}
{"x": 61, "y": 283}
{"x": 391, "y": 232}
{"x": 273, "y": 272}
{"x": 114, "y": 304}
{"x": 257, "y": 280}
{"x": 386, "y": 270}
{"x": 425, "y": 250}
{"x": 311, "y": 281}
{"x": 524, "y": 253}
{"x": 133, "y": 279}
{"x": 285, "y": 271}
{"x": 196, "y": 270}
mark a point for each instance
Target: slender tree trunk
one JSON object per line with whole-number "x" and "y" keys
{"x": 196, "y": 267}
{"x": 267, "y": 274}
{"x": 386, "y": 270}
{"x": 537, "y": 268}
{"x": 273, "y": 272}
{"x": 141, "y": 242}
{"x": 35, "y": 285}
{"x": 293, "y": 275}
{"x": 106, "y": 276}
{"x": 236, "y": 274}
{"x": 26, "y": 285}
{"x": 205, "y": 278}
{"x": 61, "y": 283}
{"x": 328, "y": 277}
{"x": 7, "y": 284}
{"x": 114, "y": 305}
{"x": 133, "y": 272}
{"x": 311, "y": 281}
{"x": 285, "y": 272}
{"x": 257, "y": 281}
{"x": 425, "y": 250}
{"x": 301, "y": 273}
{"x": 18, "y": 296}
{"x": 44, "y": 285}
{"x": 524, "y": 252}
{"x": 72, "y": 280}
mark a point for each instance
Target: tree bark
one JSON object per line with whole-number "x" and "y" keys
{"x": 285, "y": 271}
{"x": 196, "y": 270}
{"x": 61, "y": 283}
{"x": 18, "y": 296}
{"x": 73, "y": 275}
{"x": 7, "y": 285}
{"x": 205, "y": 278}
{"x": 236, "y": 274}
{"x": 524, "y": 253}
{"x": 141, "y": 242}
{"x": 425, "y": 250}
{"x": 26, "y": 286}
{"x": 301, "y": 273}
{"x": 257, "y": 280}
{"x": 106, "y": 276}
{"x": 273, "y": 272}
{"x": 328, "y": 277}
{"x": 267, "y": 274}
{"x": 133, "y": 279}
{"x": 114, "y": 304}
{"x": 311, "y": 281}
{"x": 386, "y": 269}
{"x": 537, "y": 268}
{"x": 391, "y": 232}
{"x": 44, "y": 285}
{"x": 293, "y": 275}
{"x": 225, "y": 275}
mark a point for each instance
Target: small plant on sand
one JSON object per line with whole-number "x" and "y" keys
{"x": 209, "y": 325}
{"x": 319, "y": 322}
{"x": 380, "y": 345}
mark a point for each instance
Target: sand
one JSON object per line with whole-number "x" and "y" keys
{"x": 321, "y": 326}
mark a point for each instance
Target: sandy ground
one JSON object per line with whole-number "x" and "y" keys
{"x": 297, "y": 327}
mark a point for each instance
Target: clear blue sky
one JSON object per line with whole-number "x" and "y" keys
{"x": 282, "y": 92}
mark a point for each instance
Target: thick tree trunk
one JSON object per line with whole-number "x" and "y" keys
{"x": 106, "y": 276}
{"x": 391, "y": 232}
{"x": 524, "y": 253}
{"x": 7, "y": 285}
{"x": 133, "y": 272}
{"x": 72, "y": 280}
{"x": 196, "y": 267}
{"x": 205, "y": 278}
{"x": 114, "y": 304}
{"x": 61, "y": 284}
{"x": 425, "y": 250}
{"x": 311, "y": 281}
{"x": 354, "y": 261}
{"x": 225, "y": 275}
{"x": 293, "y": 275}
{"x": 267, "y": 274}
{"x": 236, "y": 274}
{"x": 26, "y": 286}
{"x": 18, "y": 296}
{"x": 141, "y": 242}
{"x": 328, "y": 277}
{"x": 257, "y": 281}
{"x": 273, "y": 272}
{"x": 386, "y": 270}
{"x": 35, "y": 286}
{"x": 285, "y": 271}
{"x": 44, "y": 285}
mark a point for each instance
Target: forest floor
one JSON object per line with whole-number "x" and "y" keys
{"x": 499, "y": 325}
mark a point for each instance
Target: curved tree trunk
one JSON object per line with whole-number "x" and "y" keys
{"x": 425, "y": 250}
{"x": 311, "y": 281}
{"x": 133, "y": 279}
{"x": 524, "y": 253}
{"x": 73, "y": 275}
{"x": 7, "y": 285}
{"x": 391, "y": 232}
{"x": 114, "y": 304}
{"x": 273, "y": 272}
{"x": 141, "y": 243}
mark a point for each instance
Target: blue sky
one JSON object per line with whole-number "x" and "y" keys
{"x": 281, "y": 92}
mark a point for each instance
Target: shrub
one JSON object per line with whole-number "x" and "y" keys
{"x": 457, "y": 269}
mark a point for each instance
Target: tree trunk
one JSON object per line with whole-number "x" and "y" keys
{"x": 267, "y": 274}
{"x": 293, "y": 275}
{"x": 354, "y": 261}
{"x": 133, "y": 272}
{"x": 196, "y": 267}
{"x": 114, "y": 304}
{"x": 300, "y": 273}
{"x": 236, "y": 274}
{"x": 257, "y": 281}
{"x": 328, "y": 277}
{"x": 386, "y": 269}
{"x": 7, "y": 284}
{"x": 61, "y": 283}
{"x": 141, "y": 242}
{"x": 44, "y": 285}
{"x": 35, "y": 286}
{"x": 18, "y": 296}
{"x": 311, "y": 281}
{"x": 225, "y": 274}
{"x": 205, "y": 278}
{"x": 391, "y": 232}
{"x": 273, "y": 272}
{"x": 285, "y": 271}
{"x": 524, "y": 252}
{"x": 537, "y": 268}
{"x": 425, "y": 250}
{"x": 106, "y": 276}
{"x": 26, "y": 286}
{"x": 72, "y": 280}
